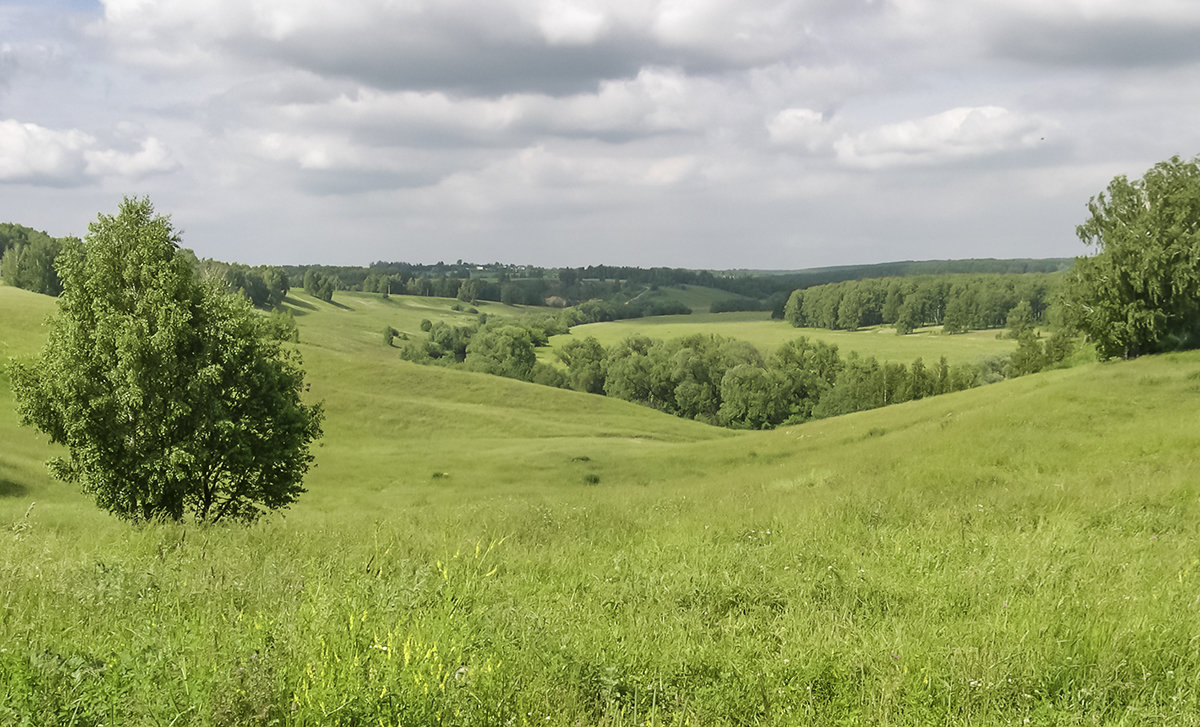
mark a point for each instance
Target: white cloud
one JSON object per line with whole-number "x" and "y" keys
{"x": 32, "y": 154}
{"x": 802, "y": 129}
{"x": 152, "y": 157}
{"x": 959, "y": 133}
{"x": 571, "y": 23}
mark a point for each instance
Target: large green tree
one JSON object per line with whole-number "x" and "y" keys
{"x": 169, "y": 394}
{"x": 1140, "y": 292}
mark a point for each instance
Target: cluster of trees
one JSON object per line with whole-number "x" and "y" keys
{"x": 264, "y": 286}
{"x": 956, "y": 302}
{"x": 503, "y": 347}
{"x": 27, "y": 259}
{"x": 319, "y": 285}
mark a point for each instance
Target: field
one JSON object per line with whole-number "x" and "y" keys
{"x": 696, "y": 297}
{"x": 476, "y": 550}
{"x": 767, "y": 334}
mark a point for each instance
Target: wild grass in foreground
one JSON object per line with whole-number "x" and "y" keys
{"x": 481, "y": 551}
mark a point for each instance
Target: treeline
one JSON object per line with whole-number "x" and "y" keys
{"x": 265, "y": 286}
{"x": 531, "y": 285}
{"x": 27, "y": 259}
{"x": 956, "y": 302}
{"x": 719, "y": 380}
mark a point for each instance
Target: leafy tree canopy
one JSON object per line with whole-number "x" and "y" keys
{"x": 1140, "y": 292}
{"x": 170, "y": 395}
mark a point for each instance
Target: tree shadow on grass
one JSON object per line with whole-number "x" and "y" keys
{"x": 8, "y": 488}
{"x": 343, "y": 306}
{"x": 301, "y": 306}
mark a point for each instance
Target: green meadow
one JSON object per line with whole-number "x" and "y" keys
{"x": 758, "y": 328}
{"x": 481, "y": 551}
{"x": 696, "y": 297}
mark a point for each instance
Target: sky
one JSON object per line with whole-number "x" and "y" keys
{"x": 765, "y": 134}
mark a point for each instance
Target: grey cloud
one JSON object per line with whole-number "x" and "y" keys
{"x": 334, "y": 182}
{"x": 1107, "y": 43}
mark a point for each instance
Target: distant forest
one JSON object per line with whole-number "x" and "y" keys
{"x": 848, "y": 296}
{"x": 531, "y": 285}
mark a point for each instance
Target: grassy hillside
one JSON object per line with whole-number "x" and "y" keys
{"x": 696, "y": 297}
{"x": 360, "y": 317}
{"x": 476, "y": 550}
{"x": 758, "y": 328}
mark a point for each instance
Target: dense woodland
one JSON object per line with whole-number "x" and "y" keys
{"x": 958, "y": 303}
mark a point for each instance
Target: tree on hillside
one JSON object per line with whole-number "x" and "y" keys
{"x": 169, "y": 394}
{"x": 1140, "y": 292}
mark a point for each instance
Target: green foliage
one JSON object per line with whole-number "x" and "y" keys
{"x": 319, "y": 285}
{"x": 806, "y": 371}
{"x": 1140, "y": 292}
{"x": 281, "y": 326}
{"x": 749, "y": 398}
{"x": 503, "y": 350}
{"x": 469, "y": 290}
{"x": 956, "y": 302}
{"x": 27, "y": 259}
{"x": 265, "y": 286}
{"x": 584, "y": 359}
{"x": 171, "y": 397}
{"x": 1020, "y": 320}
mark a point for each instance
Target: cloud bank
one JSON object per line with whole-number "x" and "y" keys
{"x": 767, "y": 133}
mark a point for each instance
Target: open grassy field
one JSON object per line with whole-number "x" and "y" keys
{"x": 759, "y": 329}
{"x": 476, "y": 550}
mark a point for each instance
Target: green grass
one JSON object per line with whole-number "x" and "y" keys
{"x": 766, "y": 334}
{"x": 360, "y": 317}
{"x": 476, "y": 550}
{"x": 696, "y": 297}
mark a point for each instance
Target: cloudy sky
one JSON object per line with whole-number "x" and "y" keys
{"x": 693, "y": 133}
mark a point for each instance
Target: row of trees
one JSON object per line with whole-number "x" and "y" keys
{"x": 956, "y": 302}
